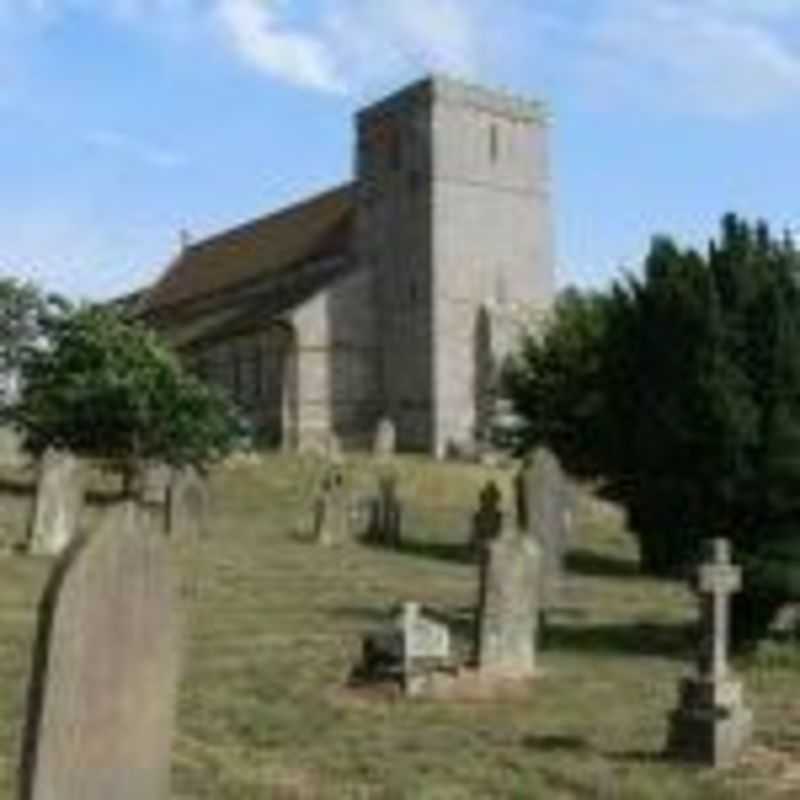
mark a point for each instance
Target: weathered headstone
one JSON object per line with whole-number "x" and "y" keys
{"x": 711, "y": 724}
{"x": 332, "y": 509}
{"x": 508, "y": 607}
{"x": 153, "y": 480}
{"x": 103, "y": 692}
{"x": 541, "y": 494}
{"x": 487, "y": 521}
{"x": 187, "y": 505}
{"x": 58, "y": 504}
{"x": 413, "y": 647}
{"x": 387, "y": 512}
{"x": 385, "y": 443}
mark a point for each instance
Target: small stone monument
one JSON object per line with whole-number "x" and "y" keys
{"x": 58, "y": 504}
{"x": 102, "y": 696}
{"x": 387, "y": 512}
{"x": 410, "y": 650}
{"x": 711, "y": 724}
{"x": 332, "y": 509}
{"x": 508, "y": 606}
{"x": 152, "y": 483}
{"x": 385, "y": 444}
{"x": 541, "y": 496}
{"x": 187, "y": 505}
{"x": 487, "y": 521}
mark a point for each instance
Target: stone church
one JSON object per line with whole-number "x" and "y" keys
{"x": 395, "y": 295}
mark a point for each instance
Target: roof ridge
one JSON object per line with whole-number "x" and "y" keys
{"x": 271, "y": 216}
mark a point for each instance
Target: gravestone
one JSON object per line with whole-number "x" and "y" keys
{"x": 542, "y": 512}
{"x": 487, "y": 521}
{"x": 385, "y": 444}
{"x": 711, "y": 724}
{"x": 58, "y": 505}
{"x": 187, "y": 505}
{"x": 153, "y": 480}
{"x": 103, "y": 692}
{"x": 413, "y": 647}
{"x": 387, "y": 512}
{"x": 332, "y": 509}
{"x": 508, "y": 606}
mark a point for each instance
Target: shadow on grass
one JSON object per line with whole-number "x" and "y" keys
{"x": 587, "y": 562}
{"x": 556, "y": 743}
{"x": 17, "y": 488}
{"x": 452, "y": 552}
{"x": 642, "y": 638}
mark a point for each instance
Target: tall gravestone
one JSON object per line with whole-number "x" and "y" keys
{"x": 103, "y": 693}
{"x": 542, "y": 512}
{"x": 58, "y": 504}
{"x": 508, "y": 606}
{"x": 187, "y": 505}
{"x": 332, "y": 509}
{"x": 711, "y": 724}
{"x": 385, "y": 443}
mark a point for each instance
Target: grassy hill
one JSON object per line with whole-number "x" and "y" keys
{"x": 276, "y": 623}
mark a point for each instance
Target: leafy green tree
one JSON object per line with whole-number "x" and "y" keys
{"x": 25, "y": 314}
{"x": 109, "y": 389}
{"x": 680, "y": 391}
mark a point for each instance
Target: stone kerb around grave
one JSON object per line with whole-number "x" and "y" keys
{"x": 102, "y": 695}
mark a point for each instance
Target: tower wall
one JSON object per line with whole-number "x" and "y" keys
{"x": 453, "y": 216}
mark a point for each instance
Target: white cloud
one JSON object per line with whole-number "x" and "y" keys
{"x": 255, "y": 31}
{"x": 706, "y": 56}
{"x": 375, "y": 40}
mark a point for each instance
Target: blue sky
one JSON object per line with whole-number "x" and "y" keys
{"x": 124, "y": 121}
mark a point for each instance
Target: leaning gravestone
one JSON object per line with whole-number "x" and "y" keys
{"x": 103, "y": 693}
{"x": 58, "y": 504}
{"x": 508, "y": 606}
{"x": 711, "y": 724}
{"x": 187, "y": 505}
{"x": 385, "y": 443}
{"x": 542, "y": 512}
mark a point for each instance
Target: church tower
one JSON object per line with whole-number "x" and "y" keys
{"x": 454, "y": 222}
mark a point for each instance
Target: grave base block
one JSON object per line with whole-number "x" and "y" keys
{"x": 711, "y": 733}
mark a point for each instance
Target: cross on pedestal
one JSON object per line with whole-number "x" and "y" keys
{"x": 717, "y": 580}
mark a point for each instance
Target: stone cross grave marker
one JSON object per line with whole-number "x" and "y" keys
{"x": 58, "y": 505}
{"x": 541, "y": 495}
{"x": 711, "y": 724}
{"x": 385, "y": 443}
{"x": 488, "y": 519}
{"x": 103, "y": 692}
{"x": 508, "y": 606}
{"x": 187, "y": 505}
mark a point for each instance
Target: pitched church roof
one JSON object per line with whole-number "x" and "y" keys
{"x": 313, "y": 229}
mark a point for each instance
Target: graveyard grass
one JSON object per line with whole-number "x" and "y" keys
{"x": 275, "y": 625}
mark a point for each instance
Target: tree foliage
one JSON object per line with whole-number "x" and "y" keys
{"x": 25, "y": 314}
{"x": 108, "y": 388}
{"x": 680, "y": 390}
